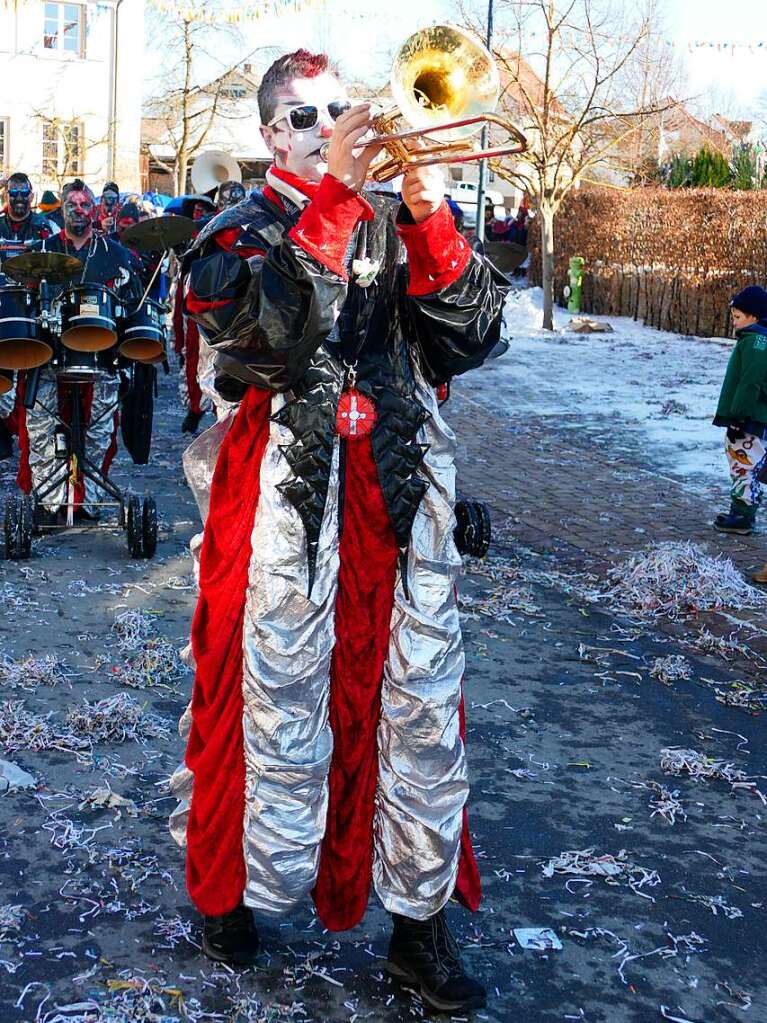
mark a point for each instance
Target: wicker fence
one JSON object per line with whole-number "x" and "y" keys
{"x": 670, "y": 258}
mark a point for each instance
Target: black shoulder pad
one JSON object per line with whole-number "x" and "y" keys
{"x": 261, "y": 222}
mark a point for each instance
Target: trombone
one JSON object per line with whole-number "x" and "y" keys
{"x": 440, "y": 72}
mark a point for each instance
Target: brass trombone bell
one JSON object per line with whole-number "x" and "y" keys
{"x": 444, "y": 82}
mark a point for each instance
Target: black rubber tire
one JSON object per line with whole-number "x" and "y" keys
{"x": 149, "y": 526}
{"x": 11, "y": 527}
{"x": 473, "y": 528}
{"x": 133, "y": 527}
{"x": 26, "y": 521}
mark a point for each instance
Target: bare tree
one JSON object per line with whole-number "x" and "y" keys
{"x": 186, "y": 105}
{"x": 66, "y": 148}
{"x": 568, "y": 93}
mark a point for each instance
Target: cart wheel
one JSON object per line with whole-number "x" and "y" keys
{"x": 26, "y": 519}
{"x": 11, "y": 527}
{"x": 149, "y": 526}
{"x": 473, "y": 531}
{"x": 133, "y": 527}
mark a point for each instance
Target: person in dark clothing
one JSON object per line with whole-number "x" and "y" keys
{"x": 106, "y": 214}
{"x": 325, "y": 751}
{"x": 742, "y": 410}
{"x": 127, "y": 216}
{"x": 19, "y": 226}
{"x": 229, "y": 194}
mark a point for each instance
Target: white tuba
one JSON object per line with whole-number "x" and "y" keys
{"x": 212, "y": 168}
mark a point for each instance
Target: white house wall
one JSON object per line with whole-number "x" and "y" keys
{"x": 36, "y": 83}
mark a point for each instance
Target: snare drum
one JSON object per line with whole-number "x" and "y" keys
{"x": 89, "y": 317}
{"x": 22, "y": 342}
{"x": 142, "y": 333}
{"x": 76, "y": 367}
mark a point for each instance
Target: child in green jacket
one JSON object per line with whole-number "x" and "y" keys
{"x": 742, "y": 410}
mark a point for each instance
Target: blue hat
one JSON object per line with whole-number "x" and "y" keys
{"x": 752, "y": 301}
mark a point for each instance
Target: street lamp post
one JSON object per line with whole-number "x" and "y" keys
{"x": 480, "y": 231}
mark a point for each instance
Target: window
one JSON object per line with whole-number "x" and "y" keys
{"x": 50, "y": 149}
{"x": 491, "y": 175}
{"x": 234, "y": 91}
{"x": 64, "y": 28}
{"x": 63, "y": 146}
{"x": 4, "y": 125}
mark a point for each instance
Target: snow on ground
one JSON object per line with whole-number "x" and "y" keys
{"x": 615, "y": 387}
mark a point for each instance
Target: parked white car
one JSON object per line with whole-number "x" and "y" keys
{"x": 465, "y": 194}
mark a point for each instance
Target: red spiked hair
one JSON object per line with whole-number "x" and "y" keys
{"x": 299, "y": 64}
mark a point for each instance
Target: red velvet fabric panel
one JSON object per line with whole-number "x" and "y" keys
{"x": 24, "y": 473}
{"x": 368, "y": 554}
{"x": 215, "y": 868}
{"x": 325, "y": 227}
{"x": 191, "y": 362}
{"x": 437, "y": 254}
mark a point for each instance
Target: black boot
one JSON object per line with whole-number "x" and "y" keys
{"x": 231, "y": 938}
{"x": 6, "y": 442}
{"x": 425, "y": 954}
{"x": 191, "y": 421}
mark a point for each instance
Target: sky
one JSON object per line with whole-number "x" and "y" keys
{"x": 362, "y": 34}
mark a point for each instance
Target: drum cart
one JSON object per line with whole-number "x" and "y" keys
{"x": 25, "y": 515}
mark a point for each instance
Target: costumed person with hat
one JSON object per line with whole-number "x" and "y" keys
{"x": 325, "y": 735}
{"x": 104, "y": 262}
{"x": 742, "y": 410}
{"x": 229, "y": 193}
{"x": 50, "y": 207}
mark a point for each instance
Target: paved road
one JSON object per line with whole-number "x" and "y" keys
{"x": 565, "y": 738}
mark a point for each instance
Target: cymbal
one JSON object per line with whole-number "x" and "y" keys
{"x": 159, "y": 233}
{"x": 54, "y": 267}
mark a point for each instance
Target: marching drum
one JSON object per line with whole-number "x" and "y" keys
{"x": 142, "y": 333}
{"x": 75, "y": 367}
{"x": 89, "y": 317}
{"x": 22, "y": 341}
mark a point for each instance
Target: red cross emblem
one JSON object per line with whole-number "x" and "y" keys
{"x": 356, "y": 415}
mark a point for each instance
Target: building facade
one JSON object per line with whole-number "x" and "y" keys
{"x": 70, "y": 91}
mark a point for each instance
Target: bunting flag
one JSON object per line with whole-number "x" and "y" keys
{"x": 719, "y": 45}
{"x": 231, "y": 13}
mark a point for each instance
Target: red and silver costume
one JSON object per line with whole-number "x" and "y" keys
{"x": 325, "y": 740}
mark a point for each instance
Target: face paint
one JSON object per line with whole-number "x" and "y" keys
{"x": 299, "y": 151}
{"x": 78, "y": 211}
{"x": 19, "y": 200}
{"x": 125, "y": 222}
{"x": 230, "y": 195}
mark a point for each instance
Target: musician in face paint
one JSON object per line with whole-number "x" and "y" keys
{"x": 229, "y": 194}
{"x": 78, "y": 206}
{"x": 300, "y": 122}
{"x": 20, "y": 196}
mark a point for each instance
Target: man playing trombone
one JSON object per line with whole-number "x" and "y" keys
{"x": 325, "y": 742}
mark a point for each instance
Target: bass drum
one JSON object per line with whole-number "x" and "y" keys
{"x": 89, "y": 318}
{"x": 75, "y": 367}
{"x": 22, "y": 342}
{"x": 142, "y": 333}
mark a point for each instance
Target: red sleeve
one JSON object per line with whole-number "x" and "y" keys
{"x": 325, "y": 227}
{"x": 437, "y": 253}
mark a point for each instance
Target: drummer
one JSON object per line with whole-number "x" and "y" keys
{"x": 130, "y": 214}
{"x": 19, "y": 226}
{"x": 104, "y": 262}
